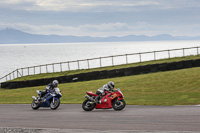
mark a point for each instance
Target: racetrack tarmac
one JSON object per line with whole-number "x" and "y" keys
{"x": 71, "y": 118}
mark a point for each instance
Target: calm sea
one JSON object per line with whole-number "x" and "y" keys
{"x": 13, "y": 56}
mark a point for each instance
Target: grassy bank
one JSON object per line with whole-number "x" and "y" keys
{"x": 50, "y": 75}
{"x": 180, "y": 87}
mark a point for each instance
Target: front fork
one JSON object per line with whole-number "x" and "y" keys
{"x": 118, "y": 100}
{"x": 53, "y": 100}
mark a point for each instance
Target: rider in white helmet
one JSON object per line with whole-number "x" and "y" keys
{"x": 50, "y": 87}
{"x": 107, "y": 87}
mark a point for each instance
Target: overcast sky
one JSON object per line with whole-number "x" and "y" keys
{"x": 102, "y": 17}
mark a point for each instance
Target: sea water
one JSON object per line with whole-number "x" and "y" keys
{"x": 14, "y": 56}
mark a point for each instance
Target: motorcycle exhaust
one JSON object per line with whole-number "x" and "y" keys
{"x": 89, "y": 98}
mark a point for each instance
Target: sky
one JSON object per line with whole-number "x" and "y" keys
{"x": 102, "y": 18}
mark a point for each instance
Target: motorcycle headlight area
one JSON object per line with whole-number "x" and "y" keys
{"x": 121, "y": 93}
{"x": 53, "y": 95}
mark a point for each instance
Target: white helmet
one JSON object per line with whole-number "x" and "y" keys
{"x": 55, "y": 83}
{"x": 111, "y": 85}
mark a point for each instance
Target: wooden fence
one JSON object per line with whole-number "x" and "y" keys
{"x": 101, "y": 62}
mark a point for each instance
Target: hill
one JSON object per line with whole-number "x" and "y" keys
{"x": 12, "y": 36}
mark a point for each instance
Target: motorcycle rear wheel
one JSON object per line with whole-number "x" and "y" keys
{"x": 118, "y": 105}
{"x": 88, "y": 106}
{"x": 35, "y": 105}
{"x": 55, "y": 105}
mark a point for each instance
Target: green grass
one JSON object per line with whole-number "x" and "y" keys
{"x": 180, "y": 87}
{"x": 50, "y": 75}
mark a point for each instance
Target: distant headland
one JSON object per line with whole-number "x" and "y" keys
{"x": 12, "y": 36}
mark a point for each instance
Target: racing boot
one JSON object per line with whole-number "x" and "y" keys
{"x": 99, "y": 101}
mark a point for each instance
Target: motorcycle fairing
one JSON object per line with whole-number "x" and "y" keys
{"x": 106, "y": 102}
{"x": 113, "y": 96}
{"x": 117, "y": 95}
{"x": 44, "y": 104}
{"x": 47, "y": 99}
{"x": 90, "y": 93}
{"x": 120, "y": 98}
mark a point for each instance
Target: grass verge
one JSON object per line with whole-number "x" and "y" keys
{"x": 180, "y": 87}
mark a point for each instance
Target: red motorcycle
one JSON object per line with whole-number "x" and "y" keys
{"x": 109, "y": 100}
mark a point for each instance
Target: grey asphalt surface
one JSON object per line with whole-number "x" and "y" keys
{"x": 71, "y": 118}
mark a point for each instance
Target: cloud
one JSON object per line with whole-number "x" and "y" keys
{"x": 178, "y": 4}
{"x": 105, "y": 27}
{"x": 102, "y": 17}
{"x": 96, "y": 5}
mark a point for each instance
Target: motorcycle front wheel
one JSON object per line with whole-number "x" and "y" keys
{"x": 87, "y": 106}
{"x": 54, "y": 105}
{"x": 119, "y": 105}
{"x": 35, "y": 105}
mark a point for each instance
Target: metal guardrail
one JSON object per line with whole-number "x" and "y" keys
{"x": 101, "y": 62}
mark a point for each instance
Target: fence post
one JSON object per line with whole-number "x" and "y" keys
{"x": 183, "y": 52}
{"x": 140, "y": 57}
{"x": 22, "y": 72}
{"x": 126, "y": 59}
{"x": 40, "y": 69}
{"x": 34, "y": 70}
{"x": 53, "y": 67}
{"x": 88, "y": 64}
{"x": 154, "y": 55}
{"x": 17, "y": 73}
{"x": 46, "y": 68}
{"x": 112, "y": 61}
{"x": 13, "y": 74}
{"x": 68, "y": 66}
{"x": 78, "y": 64}
{"x": 197, "y": 50}
{"x": 100, "y": 61}
{"x": 60, "y": 66}
{"x": 28, "y": 70}
{"x": 169, "y": 54}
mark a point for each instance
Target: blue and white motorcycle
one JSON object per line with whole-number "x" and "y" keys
{"x": 51, "y": 99}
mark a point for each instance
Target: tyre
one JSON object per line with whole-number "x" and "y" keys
{"x": 35, "y": 105}
{"x": 87, "y": 106}
{"x": 119, "y": 105}
{"x": 55, "y": 105}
